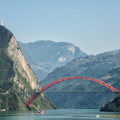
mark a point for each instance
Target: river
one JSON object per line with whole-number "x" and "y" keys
{"x": 61, "y": 114}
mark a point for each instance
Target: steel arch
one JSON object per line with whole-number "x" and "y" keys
{"x": 33, "y": 97}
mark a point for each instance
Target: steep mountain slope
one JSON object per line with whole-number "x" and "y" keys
{"x": 90, "y": 66}
{"x": 45, "y": 56}
{"x": 16, "y": 75}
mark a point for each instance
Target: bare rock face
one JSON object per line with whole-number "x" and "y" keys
{"x": 22, "y": 66}
{"x": 16, "y": 76}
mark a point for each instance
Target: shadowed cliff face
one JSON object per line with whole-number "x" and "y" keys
{"x": 16, "y": 75}
{"x": 6, "y": 64}
{"x": 5, "y": 36}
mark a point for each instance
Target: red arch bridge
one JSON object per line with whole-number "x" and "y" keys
{"x": 33, "y": 97}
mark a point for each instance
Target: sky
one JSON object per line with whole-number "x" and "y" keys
{"x": 92, "y": 25}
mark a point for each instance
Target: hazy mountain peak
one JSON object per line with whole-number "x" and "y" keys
{"x": 49, "y": 55}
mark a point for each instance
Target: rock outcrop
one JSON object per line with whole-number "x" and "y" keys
{"x": 112, "y": 106}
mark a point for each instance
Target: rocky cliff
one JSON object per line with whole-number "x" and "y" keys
{"x": 16, "y": 76}
{"x": 22, "y": 66}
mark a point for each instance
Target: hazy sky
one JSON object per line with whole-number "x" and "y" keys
{"x": 92, "y": 25}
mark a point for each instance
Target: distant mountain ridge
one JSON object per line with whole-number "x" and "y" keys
{"x": 103, "y": 66}
{"x": 45, "y": 56}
